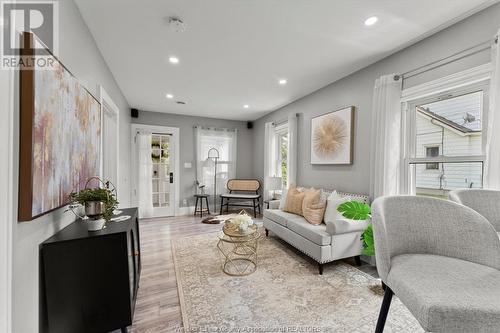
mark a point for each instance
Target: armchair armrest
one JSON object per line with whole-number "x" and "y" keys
{"x": 343, "y": 226}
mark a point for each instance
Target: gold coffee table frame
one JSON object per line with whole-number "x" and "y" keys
{"x": 239, "y": 250}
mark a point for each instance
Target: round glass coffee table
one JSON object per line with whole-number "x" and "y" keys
{"x": 239, "y": 250}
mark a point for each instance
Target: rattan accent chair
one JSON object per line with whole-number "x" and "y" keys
{"x": 241, "y": 192}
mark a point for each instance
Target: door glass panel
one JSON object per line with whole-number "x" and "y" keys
{"x": 160, "y": 146}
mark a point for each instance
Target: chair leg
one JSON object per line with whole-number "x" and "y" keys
{"x": 320, "y": 269}
{"x": 196, "y": 206}
{"x": 201, "y": 208}
{"x": 384, "y": 310}
{"x": 208, "y": 205}
{"x": 357, "y": 260}
{"x": 258, "y": 206}
{"x": 254, "y": 211}
{"x": 267, "y": 233}
{"x": 221, "y": 204}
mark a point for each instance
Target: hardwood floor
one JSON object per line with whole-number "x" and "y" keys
{"x": 157, "y": 308}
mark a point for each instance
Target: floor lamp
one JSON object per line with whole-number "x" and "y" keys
{"x": 211, "y": 161}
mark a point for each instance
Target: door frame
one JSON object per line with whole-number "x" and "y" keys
{"x": 106, "y": 101}
{"x": 174, "y": 131}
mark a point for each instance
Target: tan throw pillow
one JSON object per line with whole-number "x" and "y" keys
{"x": 313, "y": 208}
{"x": 294, "y": 200}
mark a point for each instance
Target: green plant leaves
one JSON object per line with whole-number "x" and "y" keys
{"x": 368, "y": 242}
{"x": 355, "y": 210}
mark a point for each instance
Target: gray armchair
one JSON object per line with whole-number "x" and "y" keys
{"x": 441, "y": 259}
{"x": 485, "y": 202}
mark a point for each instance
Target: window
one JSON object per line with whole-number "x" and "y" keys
{"x": 432, "y": 151}
{"x": 225, "y": 143}
{"x": 282, "y": 153}
{"x": 445, "y": 141}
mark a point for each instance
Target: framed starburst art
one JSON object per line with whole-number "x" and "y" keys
{"x": 332, "y": 137}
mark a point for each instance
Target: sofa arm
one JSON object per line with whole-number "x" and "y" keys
{"x": 344, "y": 226}
{"x": 274, "y": 204}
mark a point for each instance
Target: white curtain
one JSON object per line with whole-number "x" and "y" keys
{"x": 225, "y": 141}
{"x": 269, "y": 157}
{"x": 292, "y": 150}
{"x": 385, "y": 154}
{"x": 492, "y": 165}
{"x": 145, "y": 183}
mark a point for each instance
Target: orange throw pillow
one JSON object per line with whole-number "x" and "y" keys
{"x": 313, "y": 208}
{"x": 294, "y": 200}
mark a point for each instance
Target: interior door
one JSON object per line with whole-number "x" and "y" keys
{"x": 162, "y": 174}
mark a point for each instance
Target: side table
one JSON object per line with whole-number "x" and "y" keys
{"x": 200, "y": 197}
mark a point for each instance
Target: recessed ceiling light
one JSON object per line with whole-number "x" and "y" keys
{"x": 371, "y": 20}
{"x": 173, "y": 60}
{"x": 246, "y": 106}
{"x": 170, "y": 96}
{"x": 282, "y": 81}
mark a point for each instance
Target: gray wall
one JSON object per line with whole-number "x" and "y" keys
{"x": 357, "y": 89}
{"x": 244, "y": 163}
{"x": 79, "y": 53}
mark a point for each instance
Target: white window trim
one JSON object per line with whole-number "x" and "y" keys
{"x": 450, "y": 86}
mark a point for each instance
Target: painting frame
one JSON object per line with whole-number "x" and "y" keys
{"x": 330, "y": 156}
{"x": 27, "y": 126}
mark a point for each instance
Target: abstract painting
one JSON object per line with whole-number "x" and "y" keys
{"x": 332, "y": 137}
{"x": 60, "y": 138}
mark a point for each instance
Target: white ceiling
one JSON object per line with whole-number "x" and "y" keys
{"x": 234, "y": 51}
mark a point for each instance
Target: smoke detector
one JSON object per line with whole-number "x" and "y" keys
{"x": 176, "y": 24}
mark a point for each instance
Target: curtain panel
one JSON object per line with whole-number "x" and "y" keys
{"x": 269, "y": 157}
{"x": 144, "y": 177}
{"x": 292, "y": 150}
{"x": 385, "y": 153}
{"x": 492, "y": 164}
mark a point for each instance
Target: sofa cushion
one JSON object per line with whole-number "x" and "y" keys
{"x": 447, "y": 294}
{"x": 279, "y": 216}
{"x": 315, "y": 233}
{"x": 294, "y": 199}
{"x": 333, "y": 201}
{"x": 313, "y": 208}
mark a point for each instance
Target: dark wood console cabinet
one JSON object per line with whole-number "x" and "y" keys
{"x": 91, "y": 278}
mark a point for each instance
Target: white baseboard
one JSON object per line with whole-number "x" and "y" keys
{"x": 184, "y": 211}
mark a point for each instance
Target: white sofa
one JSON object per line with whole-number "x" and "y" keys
{"x": 325, "y": 242}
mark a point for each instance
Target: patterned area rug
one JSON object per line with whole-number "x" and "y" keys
{"x": 285, "y": 294}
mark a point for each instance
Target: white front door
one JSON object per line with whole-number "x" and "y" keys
{"x": 161, "y": 169}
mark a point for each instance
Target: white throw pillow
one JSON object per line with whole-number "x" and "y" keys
{"x": 333, "y": 201}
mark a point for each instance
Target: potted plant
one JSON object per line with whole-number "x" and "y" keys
{"x": 98, "y": 202}
{"x": 359, "y": 211}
